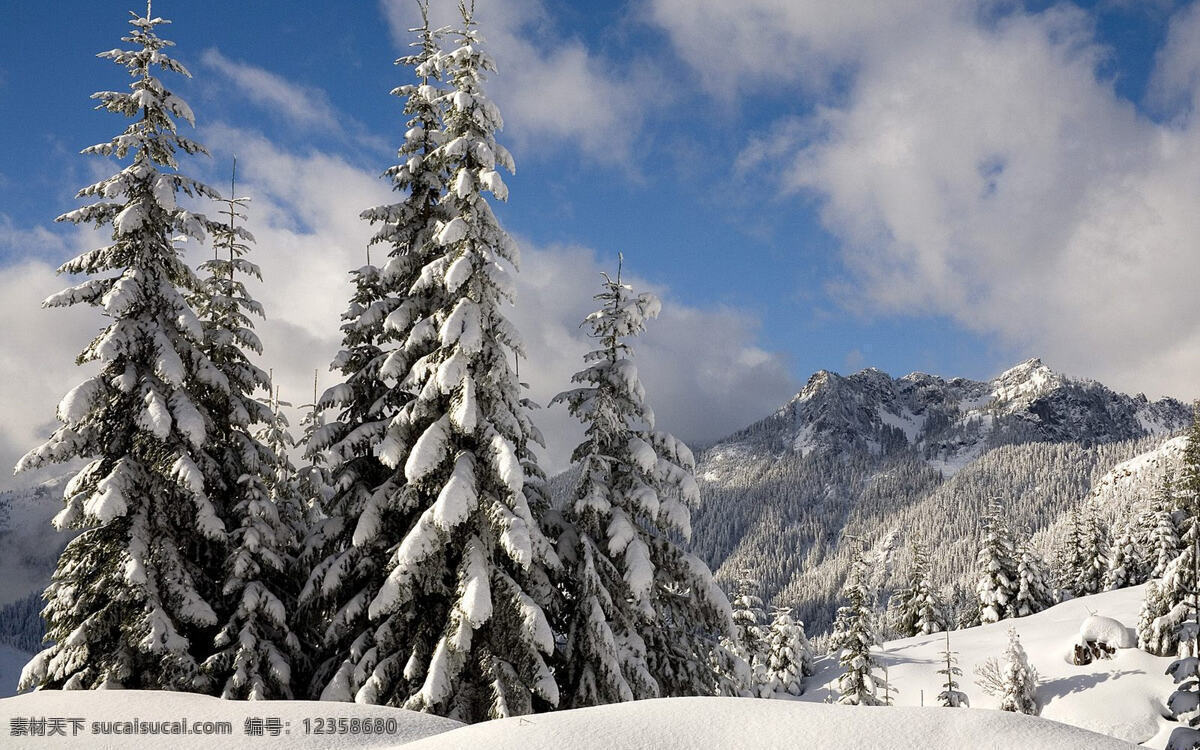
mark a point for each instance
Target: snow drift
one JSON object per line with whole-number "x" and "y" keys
{"x": 755, "y": 724}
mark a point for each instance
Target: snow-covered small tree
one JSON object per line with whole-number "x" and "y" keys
{"x": 313, "y": 484}
{"x": 1164, "y": 545}
{"x": 1034, "y": 592}
{"x": 131, "y": 602}
{"x": 1093, "y": 554}
{"x": 1125, "y": 560}
{"x": 853, "y": 637}
{"x": 999, "y": 580}
{"x": 917, "y": 608}
{"x": 951, "y": 696}
{"x": 1068, "y": 559}
{"x": 749, "y": 639}
{"x": 789, "y": 655}
{"x": 1150, "y": 638}
{"x": 1019, "y": 679}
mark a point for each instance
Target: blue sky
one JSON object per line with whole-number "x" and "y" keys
{"x": 935, "y": 185}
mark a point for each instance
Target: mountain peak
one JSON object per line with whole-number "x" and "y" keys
{"x": 951, "y": 422}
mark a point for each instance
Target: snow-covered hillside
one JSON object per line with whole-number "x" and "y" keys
{"x": 1123, "y": 697}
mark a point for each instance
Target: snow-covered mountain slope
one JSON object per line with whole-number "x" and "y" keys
{"x": 867, "y": 455}
{"x": 752, "y": 724}
{"x": 1123, "y": 697}
{"x": 29, "y": 545}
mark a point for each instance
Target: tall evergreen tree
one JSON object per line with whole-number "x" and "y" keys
{"x": 250, "y": 480}
{"x": 1068, "y": 558}
{"x": 130, "y": 604}
{"x": 854, "y": 636}
{"x": 614, "y": 513}
{"x": 951, "y": 696}
{"x": 664, "y": 612}
{"x": 999, "y": 579}
{"x": 390, "y": 332}
{"x": 461, "y": 621}
{"x": 1034, "y": 593}
{"x": 918, "y": 610}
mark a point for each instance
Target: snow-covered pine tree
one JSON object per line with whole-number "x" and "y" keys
{"x": 461, "y": 622}
{"x": 999, "y": 579}
{"x": 249, "y": 480}
{"x": 1093, "y": 554}
{"x": 629, "y": 586}
{"x": 390, "y": 330}
{"x": 853, "y": 638}
{"x": 612, "y": 515}
{"x": 1018, "y": 679}
{"x": 749, "y": 639}
{"x": 917, "y": 608}
{"x": 1164, "y": 537}
{"x": 313, "y": 484}
{"x": 1184, "y": 702}
{"x": 951, "y": 696}
{"x": 1153, "y": 607}
{"x": 789, "y": 655}
{"x": 1179, "y": 579}
{"x": 1068, "y": 560}
{"x": 258, "y": 654}
{"x": 1125, "y": 561}
{"x": 1033, "y": 591}
{"x": 129, "y": 604}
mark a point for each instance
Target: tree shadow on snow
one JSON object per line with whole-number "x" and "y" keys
{"x": 1076, "y": 683}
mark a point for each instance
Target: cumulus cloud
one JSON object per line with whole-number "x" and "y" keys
{"x": 973, "y": 164}
{"x": 704, "y": 373}
{"x": 551, "y": 89}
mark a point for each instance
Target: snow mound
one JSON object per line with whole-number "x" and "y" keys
{"x": 248, "y": 727}
{"x": 756, "y": 724}
{"x": 1106, "y": 630}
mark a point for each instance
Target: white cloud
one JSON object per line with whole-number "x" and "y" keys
{"x": 704, "y": 374}
{"x": 300, "y": 105}
{"x": 974, "y": 165}
{"x": 1176, "y": 79}
{"x": 550, "y": 88}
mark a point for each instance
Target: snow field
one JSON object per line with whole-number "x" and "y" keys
{"x": 1123, "y": 697}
